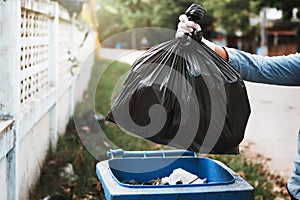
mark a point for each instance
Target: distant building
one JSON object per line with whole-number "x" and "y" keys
{"x": 283, "y": 38}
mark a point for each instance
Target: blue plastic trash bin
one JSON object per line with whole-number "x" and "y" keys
{"x": 142, "y": 166}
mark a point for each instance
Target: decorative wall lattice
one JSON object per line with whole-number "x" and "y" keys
{"x": 34, "y": 54}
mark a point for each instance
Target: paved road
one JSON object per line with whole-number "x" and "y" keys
{"x": 274, "y": 122}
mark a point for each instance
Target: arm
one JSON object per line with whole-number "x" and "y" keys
{"x": 279, "y": 70}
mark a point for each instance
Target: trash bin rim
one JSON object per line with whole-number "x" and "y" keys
{"x": 232, "y": 178}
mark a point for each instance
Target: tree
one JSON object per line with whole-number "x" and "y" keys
{"x": 115, "y": 16}
{"x": 232, "y": 15}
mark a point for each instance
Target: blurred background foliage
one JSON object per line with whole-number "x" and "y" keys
{"x": 115, "y": 16}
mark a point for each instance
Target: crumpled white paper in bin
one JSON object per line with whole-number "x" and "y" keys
{"x": 181, "y": 176}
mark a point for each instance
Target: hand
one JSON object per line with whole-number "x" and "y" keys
{"x": 186, "y": 26}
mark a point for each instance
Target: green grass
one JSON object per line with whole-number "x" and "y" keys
{"x": 71, "y": 150}
{"x": 254, "y": 173}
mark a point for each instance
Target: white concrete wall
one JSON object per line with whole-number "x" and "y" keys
{"x": 63, "y": 115}
{"x": 3, "y": 188}
{"x": 32, "y": 152}
{"x": 39, "y": 43}
{"x": 7, "y": 159}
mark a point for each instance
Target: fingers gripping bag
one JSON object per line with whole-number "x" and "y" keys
{"x": 182, "y": 94}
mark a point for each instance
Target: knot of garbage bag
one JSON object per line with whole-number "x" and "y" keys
{"x": 195, "y": 13}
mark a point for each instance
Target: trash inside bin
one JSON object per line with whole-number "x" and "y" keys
{"x": 220, "y": 182}
{"x": 181, "y": 176}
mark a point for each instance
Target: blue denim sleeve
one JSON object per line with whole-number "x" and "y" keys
{"x": 279, "y": 70}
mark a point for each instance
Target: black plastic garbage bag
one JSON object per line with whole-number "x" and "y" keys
{"x": 182, "y": 94}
